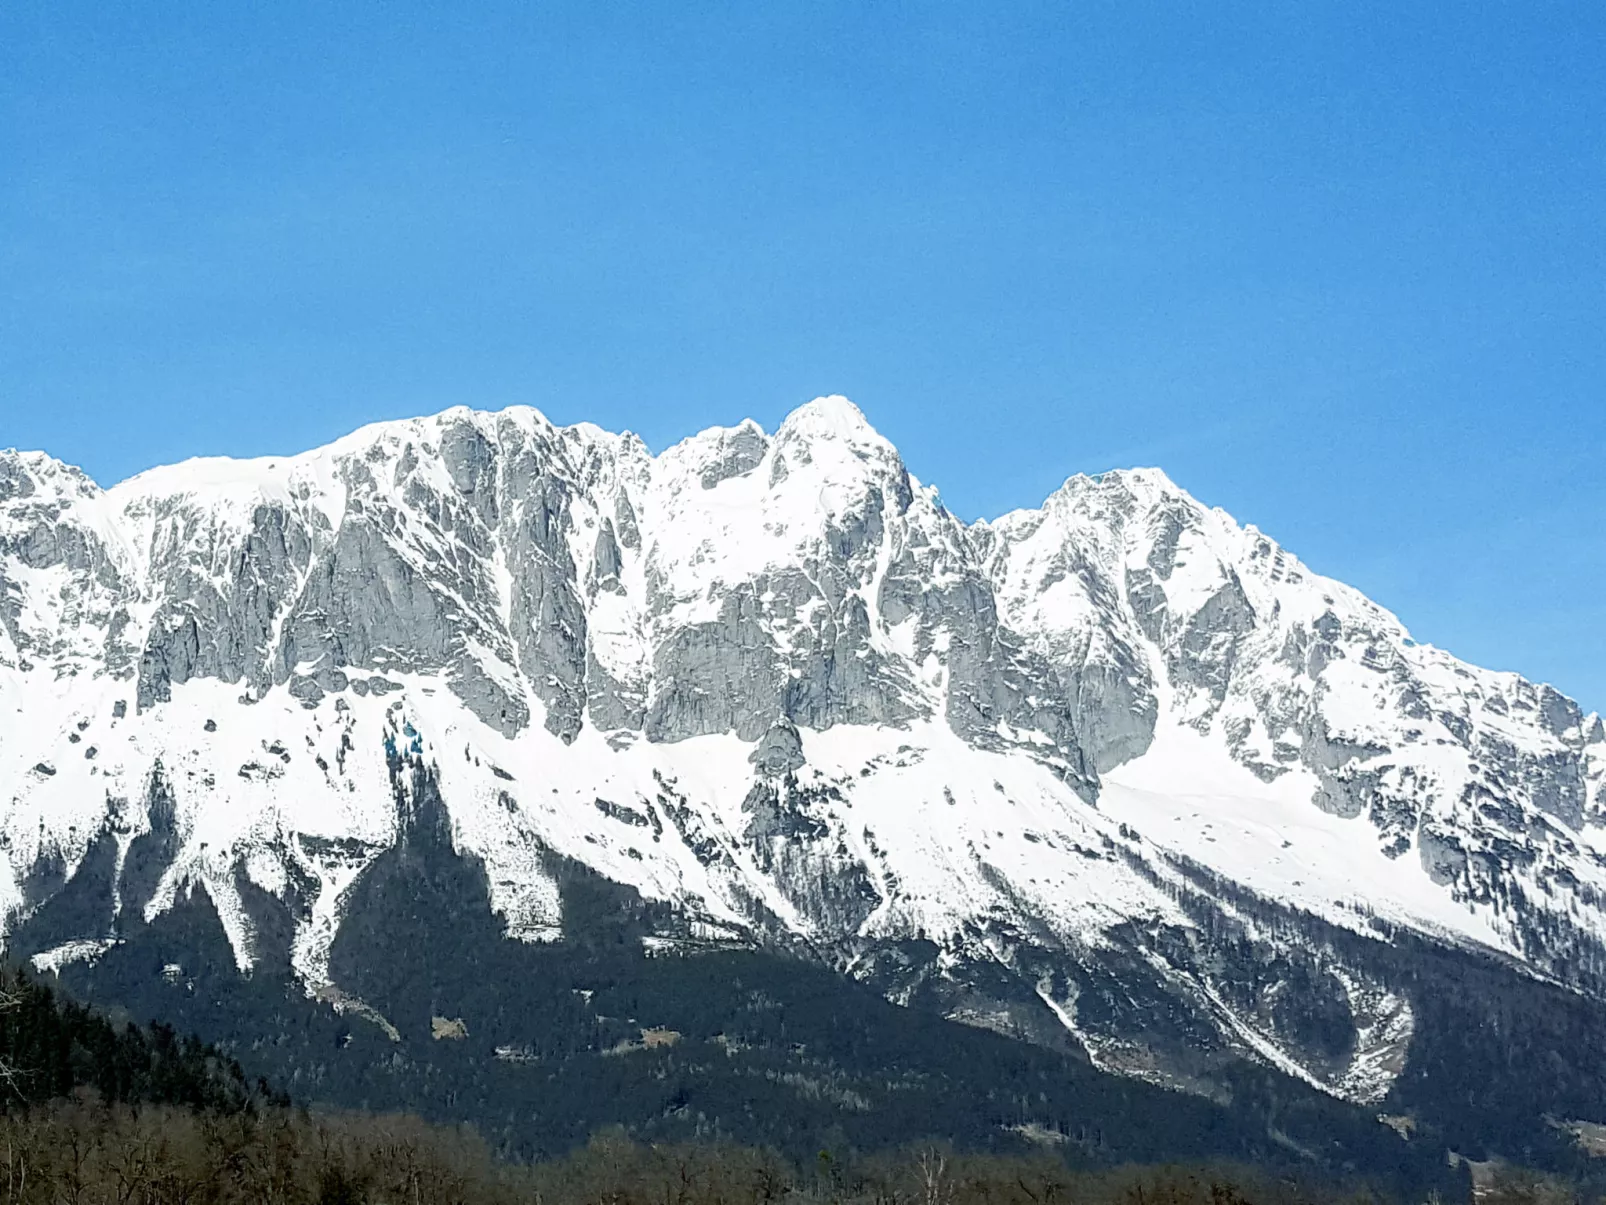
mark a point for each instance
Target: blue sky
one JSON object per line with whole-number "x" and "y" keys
{"x": 1339, "y": 268}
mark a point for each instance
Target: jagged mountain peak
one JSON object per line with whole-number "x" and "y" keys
{"x": 831, "y": 417}
{"x": 828, "y": 436}
{"x": 27, "y": 474}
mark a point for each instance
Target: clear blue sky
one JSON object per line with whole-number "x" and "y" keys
{"x": 1337, "y": 267}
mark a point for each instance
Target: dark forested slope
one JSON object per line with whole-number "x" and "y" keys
{"x": 51, "y": 1047}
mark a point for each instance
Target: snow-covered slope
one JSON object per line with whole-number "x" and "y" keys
{"x": 769, "y": 679}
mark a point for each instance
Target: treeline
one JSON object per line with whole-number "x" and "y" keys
{"x": 51, "y": 1047}
{"x": 91, "y": 1153}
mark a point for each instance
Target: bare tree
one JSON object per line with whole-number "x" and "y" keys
{"x": 10, "y": 1074}
{"x": 936, "y": 1187}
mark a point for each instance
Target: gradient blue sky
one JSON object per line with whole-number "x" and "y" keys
{"x": 1339, "y": 268}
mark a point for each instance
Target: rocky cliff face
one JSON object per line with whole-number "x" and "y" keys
{"x": 1114, "y": 774}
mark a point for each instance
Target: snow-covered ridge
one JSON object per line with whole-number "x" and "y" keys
{"x": 770, "y": 679}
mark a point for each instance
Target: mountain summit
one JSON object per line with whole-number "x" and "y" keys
{"x": 1068, "y": 774}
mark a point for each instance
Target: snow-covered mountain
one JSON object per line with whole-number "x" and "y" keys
{"x": 1110, "y": 774}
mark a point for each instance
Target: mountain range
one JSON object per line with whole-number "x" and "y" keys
{"x": 1116, "y": 777}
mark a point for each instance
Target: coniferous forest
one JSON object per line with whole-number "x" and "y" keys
{"x": 97, "y": 1109}
{"x": 99, "y": 1112}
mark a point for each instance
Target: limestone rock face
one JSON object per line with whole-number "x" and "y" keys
{"x": 771, "y": 679}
